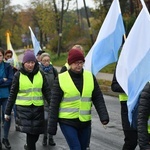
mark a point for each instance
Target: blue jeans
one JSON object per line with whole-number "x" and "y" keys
{"x": 77, "y": 139}
{"x": 3, "y": 102}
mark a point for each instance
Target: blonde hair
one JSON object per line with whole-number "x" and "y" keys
{"x": 79, "y": 47}
{"x": 43, "y": 55}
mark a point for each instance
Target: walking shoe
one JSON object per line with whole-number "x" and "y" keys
{"x": 51, "y": 142}
{"x": 25, "y": 147}
{"x": 6, "y": 143}
{"x": 44, "y": 141}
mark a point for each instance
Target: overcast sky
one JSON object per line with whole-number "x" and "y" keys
{"x": 89, "y": 3}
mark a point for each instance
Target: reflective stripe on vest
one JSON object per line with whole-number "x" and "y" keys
{"x": 30, "y": 93}
{"x": 73, "y": 105}
{"x": 148, "y": 126}
{"x": 67, "y": 66}
{"x": 123, "y": 97}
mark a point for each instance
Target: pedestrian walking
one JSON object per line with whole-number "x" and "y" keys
{"x": 6, "y": 76}
{"x": 73, "y": 93}
{"x": 143, "y": 118}
{"x": 28, "y": 88}
{"x": 50, "y": 74}
{"x": 130, "y": 133}
{"x": 67, "y": 67}
{"x": 10, "y": 60}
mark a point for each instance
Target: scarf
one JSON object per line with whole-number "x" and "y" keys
{"x": 46, "y": 68}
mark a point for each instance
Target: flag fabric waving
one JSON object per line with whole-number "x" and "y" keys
{"x": 9, "y": 47}
{"x": 133, "y": 68}
{"x": 106, "y": 47}
{"x": 36, "y": 44}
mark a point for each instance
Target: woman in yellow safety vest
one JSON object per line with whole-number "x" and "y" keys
{"x": 73, "y": 93}
{"x": 28, "y": 88}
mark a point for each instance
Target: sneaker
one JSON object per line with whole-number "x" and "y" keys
{"x": 51, "y": 142}
{"x": 25, "y": 147}
{"x": 6, "y": 143}
{"x": 44, "y": 141}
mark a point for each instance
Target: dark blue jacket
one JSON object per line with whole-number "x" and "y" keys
{"x": 5, "y": 85}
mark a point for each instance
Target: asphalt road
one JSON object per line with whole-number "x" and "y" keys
{"x": 110, "y": 138}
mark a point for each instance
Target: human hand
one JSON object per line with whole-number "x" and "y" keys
{"x": 7, "y": 117}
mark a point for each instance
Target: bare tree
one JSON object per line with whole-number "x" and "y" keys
{"x": 59, "y": 21}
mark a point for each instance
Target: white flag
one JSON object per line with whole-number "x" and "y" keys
{"x": 36, "y": 44}
{"x": 105, "y": 49}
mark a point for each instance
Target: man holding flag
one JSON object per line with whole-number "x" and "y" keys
{"x": 130, "y": 134}
{"x": 106, "y": 47}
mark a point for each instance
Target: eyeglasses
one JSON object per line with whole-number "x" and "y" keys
{"x": 79, "y": 63}
{"x": 45, "y": 60}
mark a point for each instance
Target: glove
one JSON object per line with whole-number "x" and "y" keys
{"x": 7, "y": 117}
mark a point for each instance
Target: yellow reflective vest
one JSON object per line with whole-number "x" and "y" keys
{"x": 123, "y": 97}
{"x": 30, "y": 93}
{"x": 74, "y": 105}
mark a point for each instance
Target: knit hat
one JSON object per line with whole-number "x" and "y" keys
{"x": 29, "y": 56}
{"x": 43, "y": 55}
{"x": 75, "y": 55}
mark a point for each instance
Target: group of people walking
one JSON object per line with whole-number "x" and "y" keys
{"x": 28, "y": 89}
{"x": 43, "y": 99}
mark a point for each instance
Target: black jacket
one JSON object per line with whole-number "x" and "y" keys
{"x": 30, "y": 119}
{"x": 63, "y": 69}
{"x": 143, "y": 116}
{"x": 115, "y": 87}
{"x": 57, "y": 95}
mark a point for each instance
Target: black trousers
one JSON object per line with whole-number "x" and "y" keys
{"x": 31, "y": 141}
{"x": 131, "y": 137}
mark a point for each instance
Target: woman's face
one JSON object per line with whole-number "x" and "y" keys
{"x": 1, "y": 57}
{"x": 8, "y": 56}
{"x": 29, "y": 66}
{"x": 77, "y": 66}
{"x": 45, "y": 61}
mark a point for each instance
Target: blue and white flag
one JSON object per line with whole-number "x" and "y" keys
{"x": 36, "y": 44}
{"x": 133, "y": 68}
{"x": 106, "y": 47}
